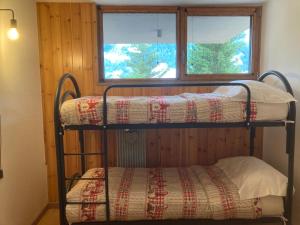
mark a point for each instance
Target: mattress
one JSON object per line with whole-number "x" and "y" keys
{"x": 196, "y": 192}
{"x": 183, "y": 108}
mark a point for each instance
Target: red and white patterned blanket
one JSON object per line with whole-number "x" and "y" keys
{"x": 161, "y": 193}
{"x": 182, "y": 108}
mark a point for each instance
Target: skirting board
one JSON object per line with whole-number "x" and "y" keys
{"x": 50, "y": 205}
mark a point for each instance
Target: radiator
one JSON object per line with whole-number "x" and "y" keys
{"x": 131, "y": 148}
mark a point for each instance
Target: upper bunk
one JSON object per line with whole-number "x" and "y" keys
{"x": 242, "y": 103}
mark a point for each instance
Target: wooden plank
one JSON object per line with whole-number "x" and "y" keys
{"x": 255, "y": 40}
{"x": 71, "y": 163}
{"x": 202, "y": 147}
{"x": 87, "y": 37}
{"x": 68, "y": 43}
{"x": 152, "y": 153}
{"x": 221, "y": 11}
{"x": 55, "y": 31}
{"x": 138, "y": 9}
{"x": 45, "y": 46}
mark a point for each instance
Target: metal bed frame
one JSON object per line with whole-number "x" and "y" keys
{"x": 61, "y": 96}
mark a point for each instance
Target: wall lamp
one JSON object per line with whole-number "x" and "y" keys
{"x": 12, "y": 32}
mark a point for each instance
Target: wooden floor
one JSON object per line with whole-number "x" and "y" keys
{"x": 51, "y": 217}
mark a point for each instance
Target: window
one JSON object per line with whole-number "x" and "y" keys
{"x": 218, "y": 44}
{"x": 139, "y": 45}
{"x": 177, "y": 43}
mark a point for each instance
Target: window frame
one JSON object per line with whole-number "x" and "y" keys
{"x": 255, "y": 20}
{"x": 136, "y": 9}
{"x": 181, "y": 40}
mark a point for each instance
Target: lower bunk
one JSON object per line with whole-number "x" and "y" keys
{"x": 211, "y": 193}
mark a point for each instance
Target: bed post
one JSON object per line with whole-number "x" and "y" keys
{"x": 59, "y": 142}
{"x": 290, "y": 143}
{"x": 290, "y": 149}
{"x": 105, "y": 165}
{"x": 60, "y": 174}
{"x": 60, "y": 163}
{"x": 105, "y": 155}
{"x": 82, "y": 157}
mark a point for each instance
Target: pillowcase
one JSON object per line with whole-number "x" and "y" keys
{"x": 260, "y": 92}
{"x": 253, "y": 177}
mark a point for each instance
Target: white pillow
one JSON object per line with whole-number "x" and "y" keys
{"x": 253, "y": 177}
{"x": 260, "y": 92}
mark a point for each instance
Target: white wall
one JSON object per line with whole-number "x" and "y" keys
{"x": 23, "y": 190}
{"x": 281, "y": 51}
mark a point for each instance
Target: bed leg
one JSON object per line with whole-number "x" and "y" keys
{"x": 290, "y": 147}
{"x": 61, "y": 175}
{"x": 105, "y": 165}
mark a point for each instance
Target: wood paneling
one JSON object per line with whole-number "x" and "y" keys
{"x": 68, "y": 43}
{"x": 67, "y": 36}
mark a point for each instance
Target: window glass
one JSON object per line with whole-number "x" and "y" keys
{"x": 139, "y": 45}
{"x": 218, "y": 45}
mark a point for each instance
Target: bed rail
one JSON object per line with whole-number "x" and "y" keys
{"x": 281, "y": 77}
{"x": 203, "y": 84}
{"x": 59, "y": 97}
{"x": 290, "y": 140}
{"x": 292, "y": 109}
{"x": 59, "y": 132}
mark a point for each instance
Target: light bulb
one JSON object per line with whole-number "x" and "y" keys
{"x": 13, "y": 33}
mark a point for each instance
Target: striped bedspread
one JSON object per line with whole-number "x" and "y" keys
{"x": 161, "y": 193}
{"x": 182, "y": 108}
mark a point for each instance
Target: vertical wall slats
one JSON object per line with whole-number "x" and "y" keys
{"x": 68, "y": 43}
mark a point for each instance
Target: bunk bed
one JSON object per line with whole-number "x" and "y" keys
{"x": 101, "y": 195}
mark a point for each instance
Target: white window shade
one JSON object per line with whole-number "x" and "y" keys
{"x": 215, "y": 29}
{"x": 218, "y": 45}
{"x": 128, "y": 28}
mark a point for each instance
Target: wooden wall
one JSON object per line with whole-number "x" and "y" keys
{"x": 68, "y": 43}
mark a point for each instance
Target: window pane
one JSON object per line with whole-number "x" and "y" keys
{"x": 218, "y": 44}
{"x": 139, "y": 45}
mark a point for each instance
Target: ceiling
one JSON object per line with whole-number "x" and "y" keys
{"x": 163, "y": 2}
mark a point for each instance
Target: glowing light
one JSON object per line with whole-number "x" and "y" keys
{"x": 13, "y": 33}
